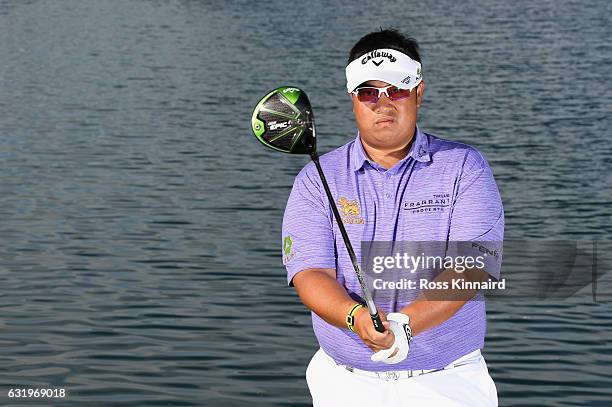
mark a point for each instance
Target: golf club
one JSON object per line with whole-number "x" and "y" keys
{"x": 283, "y": 121}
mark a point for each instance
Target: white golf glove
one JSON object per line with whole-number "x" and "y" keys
{"x": 398, "y": 324}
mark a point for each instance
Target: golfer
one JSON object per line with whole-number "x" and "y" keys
{"x": 393, "y": 182}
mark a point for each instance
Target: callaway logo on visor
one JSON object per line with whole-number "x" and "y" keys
{"x": 388, "y": 65}
{"x": 377, "y": 54}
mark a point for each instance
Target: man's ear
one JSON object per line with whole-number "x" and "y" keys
{"x": 420, "y": 93}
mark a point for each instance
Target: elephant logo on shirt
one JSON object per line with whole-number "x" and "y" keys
{"x": 350, "y": 211}
{"x": 349, "y": 207}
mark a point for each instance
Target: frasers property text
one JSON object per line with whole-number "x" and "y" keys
{"x": 414, "y": 263}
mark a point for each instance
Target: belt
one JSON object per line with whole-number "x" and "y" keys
{"x": 406, "y": 374}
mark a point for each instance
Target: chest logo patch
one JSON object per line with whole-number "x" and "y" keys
{"x": 434, "y": 203}
{"x": 350, "y": 211}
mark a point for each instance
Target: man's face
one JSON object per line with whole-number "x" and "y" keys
{"x": 387, "y": 124}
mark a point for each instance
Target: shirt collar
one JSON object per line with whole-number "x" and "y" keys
{"x": 418, "y": 151}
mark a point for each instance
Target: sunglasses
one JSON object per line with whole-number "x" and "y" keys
{"x": 371, "y": 94}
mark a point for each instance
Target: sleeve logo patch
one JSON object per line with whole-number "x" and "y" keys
{"x": 287, "y": 243}
{"x": 288, "y": 249}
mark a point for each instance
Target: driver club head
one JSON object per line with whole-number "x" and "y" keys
{"x": 283, "y": 121}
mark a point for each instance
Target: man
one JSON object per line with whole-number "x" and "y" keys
{"x": 393, "y": 183}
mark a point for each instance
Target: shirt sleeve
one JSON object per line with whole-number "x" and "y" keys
{"x": 477, "y": 218}
{"x": 307, "y": 237}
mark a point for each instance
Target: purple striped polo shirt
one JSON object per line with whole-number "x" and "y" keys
{"x": 385, "y": 205}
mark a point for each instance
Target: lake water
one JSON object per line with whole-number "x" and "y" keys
{"x": 140, "y": 219}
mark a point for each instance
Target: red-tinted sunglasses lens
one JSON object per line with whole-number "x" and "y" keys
{"x": 397, "y": 94}
{"x": 367, "y": 94}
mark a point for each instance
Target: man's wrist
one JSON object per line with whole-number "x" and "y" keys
{"x": 350, "y": 316}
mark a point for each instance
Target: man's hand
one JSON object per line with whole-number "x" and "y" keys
{"x": 371, "y": 337}
{"x": 398, "y": 324}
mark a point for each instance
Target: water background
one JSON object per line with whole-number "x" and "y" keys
{"x": 140, "y": 219}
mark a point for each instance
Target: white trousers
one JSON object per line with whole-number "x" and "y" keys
{"x": 469, "y": 384}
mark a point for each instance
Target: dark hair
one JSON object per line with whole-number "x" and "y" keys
{"x": 388, "y": 38}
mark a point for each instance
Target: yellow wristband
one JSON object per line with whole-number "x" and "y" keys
{"x": 350, "y": 318}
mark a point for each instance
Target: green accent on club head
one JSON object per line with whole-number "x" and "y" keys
{"x": 281, "y": 114}
{"x": 292, "y": 94}
{"x": 297, "y": 136}
{"x": 282, "y": 134}
{"x": 258, "y": 126}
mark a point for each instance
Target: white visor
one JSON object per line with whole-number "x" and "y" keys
{"x": 387, "y": 65}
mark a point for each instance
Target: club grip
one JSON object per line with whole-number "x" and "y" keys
{"x": 378, "y": 325}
